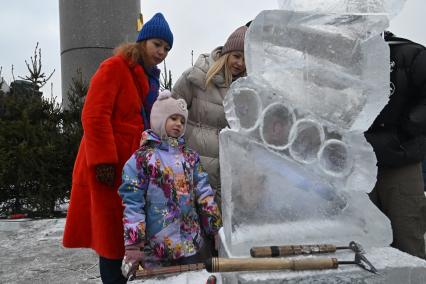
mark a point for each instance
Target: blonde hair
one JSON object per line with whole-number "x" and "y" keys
{"x": 220, "y": 65}
{"x": 131, "y": 51}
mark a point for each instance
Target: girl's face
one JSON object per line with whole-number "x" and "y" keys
{"x": 236, "y": 63}
{"x": 175, "y": 125}
{"x": 155, "y": 52}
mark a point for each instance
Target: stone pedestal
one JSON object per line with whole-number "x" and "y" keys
{"x": 90, "y": 30}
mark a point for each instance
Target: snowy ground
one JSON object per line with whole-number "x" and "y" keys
{"x": 31, "y": 252}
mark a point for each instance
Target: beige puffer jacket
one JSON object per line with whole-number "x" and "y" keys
{"x": 206, "y": 115}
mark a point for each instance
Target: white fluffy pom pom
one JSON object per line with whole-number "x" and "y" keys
{"x": 164, "y": 95}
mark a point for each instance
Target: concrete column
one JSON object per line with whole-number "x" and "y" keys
{"x": 89, "y": 31}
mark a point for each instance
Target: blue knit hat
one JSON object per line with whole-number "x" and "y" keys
{"x": 157, "y": 27}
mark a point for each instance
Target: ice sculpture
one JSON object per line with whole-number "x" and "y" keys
{"x": 363, "y": 7}
{"x": 295, "y": 166}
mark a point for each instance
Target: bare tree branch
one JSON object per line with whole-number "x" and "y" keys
{"x": 37, "y": 77}
{"x": 1, "y": 78}
{"x": 166, "y": 79}
{"x": 13, "y": 75}
{"x": 192, "y": 57}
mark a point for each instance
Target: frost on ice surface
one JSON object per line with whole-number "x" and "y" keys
{"x": 295, "y": 166}
{"x": 329, "y": 65}
{"x": 386, "y": 7}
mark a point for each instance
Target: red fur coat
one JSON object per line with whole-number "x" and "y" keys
{"x": 113, "y": 125}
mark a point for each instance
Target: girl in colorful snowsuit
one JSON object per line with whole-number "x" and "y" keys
{"x": 169, "y": 206}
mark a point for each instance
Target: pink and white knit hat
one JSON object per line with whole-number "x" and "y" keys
{"x": 164, "y": 107}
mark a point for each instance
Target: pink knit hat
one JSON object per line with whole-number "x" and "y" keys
{"x": 235, "y": 41}
{"x": 164, "y": 107}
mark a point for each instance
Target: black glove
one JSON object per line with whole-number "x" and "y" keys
{"x": 105, "y": 173}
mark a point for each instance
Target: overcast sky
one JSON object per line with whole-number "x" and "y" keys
{"x": 196, "y": 25}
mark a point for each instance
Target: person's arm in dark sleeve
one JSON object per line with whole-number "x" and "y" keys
{"x": 415, "y": 122}
{"x": 390, "y": 152}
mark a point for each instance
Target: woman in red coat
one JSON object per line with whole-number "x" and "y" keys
{"x": 115, "y": 112}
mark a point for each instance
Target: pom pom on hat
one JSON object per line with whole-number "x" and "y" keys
{"x": 164, "y": 107}
{"x": 156, "y": 27}
{"x": 164, "y": 95}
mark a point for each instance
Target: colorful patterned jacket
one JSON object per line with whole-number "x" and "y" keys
{"x": 169, "y": 204}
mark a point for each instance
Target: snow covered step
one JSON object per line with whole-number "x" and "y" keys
{"x": 393, "y": 265}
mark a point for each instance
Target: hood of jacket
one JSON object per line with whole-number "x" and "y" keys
{"x": 198, "y": 73}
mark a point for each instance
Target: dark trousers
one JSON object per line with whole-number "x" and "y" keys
{"x": 110, "y": 270}
{"x": 399, "y": 194}
{"x": 424, "y": 173}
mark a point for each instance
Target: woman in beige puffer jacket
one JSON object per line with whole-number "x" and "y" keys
{"x": 203, "y": 87}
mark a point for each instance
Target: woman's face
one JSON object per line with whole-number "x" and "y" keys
{"x": 155, "y": 52}
{"x": 236, "y": 63}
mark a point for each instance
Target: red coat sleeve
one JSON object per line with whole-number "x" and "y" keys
{"x": 97, "y": 111}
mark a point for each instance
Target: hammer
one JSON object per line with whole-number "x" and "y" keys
{"x": 288, "y": 250}
{"x": 277, "y": 251}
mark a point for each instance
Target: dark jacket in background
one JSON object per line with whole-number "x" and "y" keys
{"x": 398, "y": 138}
{"x": 398, "y": 133}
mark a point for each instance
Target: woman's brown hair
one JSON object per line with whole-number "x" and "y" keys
{"x": 131, "y": 51}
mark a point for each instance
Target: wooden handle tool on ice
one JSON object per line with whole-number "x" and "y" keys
{"x": 277, "y": 251}
{"x": 257, "y": 264}
{"x": 287, "y": 250}
{"x": 161, "y": 271}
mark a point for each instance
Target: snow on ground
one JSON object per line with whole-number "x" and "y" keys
{"x": 31, "y": 252}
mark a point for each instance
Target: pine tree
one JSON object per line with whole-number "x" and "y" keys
{"x": 38, "y": 144}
